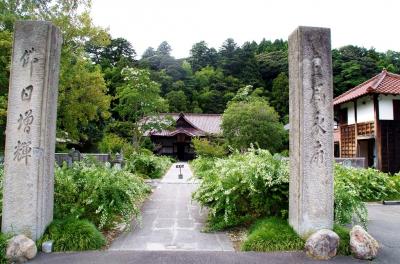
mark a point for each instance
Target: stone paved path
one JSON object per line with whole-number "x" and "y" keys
{"x": 384, "y": 226}
{"x": 171, "y": 221}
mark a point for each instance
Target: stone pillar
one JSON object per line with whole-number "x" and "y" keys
{"x": 31, "y": 126}
{"x": 311, "y": 135}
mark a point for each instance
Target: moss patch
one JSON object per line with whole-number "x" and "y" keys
{"x": 73, "y": 235}
{"x": 344, "y": 244}
{"x": 272, "y": 234}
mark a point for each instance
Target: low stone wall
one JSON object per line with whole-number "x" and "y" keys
{"x": 73, "y": 156}
{"x": 352, "y": 162}
{"x": 349, "y": 162}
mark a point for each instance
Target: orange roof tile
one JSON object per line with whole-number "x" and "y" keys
{"x": 383, "y": 83}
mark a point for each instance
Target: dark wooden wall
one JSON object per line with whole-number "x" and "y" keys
{"x": 390, "y": 140}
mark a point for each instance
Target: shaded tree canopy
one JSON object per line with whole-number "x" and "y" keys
{"x": 250, "y": 120}
{"x": 92, "y": 63}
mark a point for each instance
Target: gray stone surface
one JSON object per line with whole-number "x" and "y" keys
{"x": 322, "y": 245}
{"x": 20, "y": 249}
{"x": 311, "y": 138}
{"x": 31, "y": 127}
{"x": 171, "y": 221}
{"x": 184, "y": 257}
{"x": 383, "y": 225}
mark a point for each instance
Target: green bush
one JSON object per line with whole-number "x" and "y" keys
{"x": 203, "y": 147}
{"x": 394, "y": 184}
{"x": 272, "y": 234}
{"x": 355, "y": 186}
{"x": 373, "y": 185}
{"x": 243, "y": 187}
{"x": 3, "y": 247}
{"x": 103, "y": 195}
{"x": 253, "y": 121}
{"x": 344, "y": 244}
{"x": 348, "y": 202}
{"x": 202, "y": 166}
{"x": 73, "y": 235}
{"x": 112, "y": 143}
{"x": 148, "y": 165}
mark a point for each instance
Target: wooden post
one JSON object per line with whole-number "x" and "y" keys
{"x": 355, "y": 127}
{"x": 377, "y": 129}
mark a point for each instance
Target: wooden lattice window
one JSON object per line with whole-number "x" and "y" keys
{"x": 347, "y": 141}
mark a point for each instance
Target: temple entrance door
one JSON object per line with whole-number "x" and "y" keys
{"x": 181, "y": 151}
{"x": 366, "y": 150}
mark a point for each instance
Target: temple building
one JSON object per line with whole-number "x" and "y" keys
{"x": 368, "y": 122}
{"x": 177, "y": 141}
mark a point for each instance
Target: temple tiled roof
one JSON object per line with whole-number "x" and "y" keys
{"x": 203, "y": 124}
{"x": 383, "y": 83}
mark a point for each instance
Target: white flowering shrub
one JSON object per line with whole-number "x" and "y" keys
{"x": 242, "y": 187}
{"x": 102, "y": 194}
{"x": 245, "y": 186}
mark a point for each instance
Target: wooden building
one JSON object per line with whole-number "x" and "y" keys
{"x": 368, "y": 122}
{"x": 177, "y": 142}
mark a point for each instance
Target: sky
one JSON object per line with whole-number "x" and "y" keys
{"x": 366, "y": 23}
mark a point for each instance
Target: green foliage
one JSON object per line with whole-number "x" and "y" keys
{"x": 1, "y": 189}
{"x": 205, "y": 148}
{"x": 73, "y": 235}
{"x": 348, "y": 202}
{"x": 351, "y": 66}
{"x": 243, "y": 187}
{"x": 82, "y": 99}
{"x": 354, "y": 186}
{"x": 112, "y": 143}
{"x": 394, "y": 184}
{"x": 3, "y": 247}
{"x": 140, "y": 103}
{"x": 177, "y": 101}
{"x": 202, "y": 166}
{"x": 275, "y": 234}
{"x": 344, "y": 235}
{"x": 272, "y": 234}
{"x": 201, "y": 56}
{"x": 147, "y": 165}
{"x": 280, "y": 95}
{"x": 253, "y": 122}
{"x": 103, "y": 195}
{"x": 372, "y": 184}
{"x": 5, "y": 55}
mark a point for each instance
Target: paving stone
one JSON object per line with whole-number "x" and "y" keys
{"x": 171, "y": 221}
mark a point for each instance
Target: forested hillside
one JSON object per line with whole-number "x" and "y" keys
{"x": 92, "y": 82}
{"x": 206, "y": 80}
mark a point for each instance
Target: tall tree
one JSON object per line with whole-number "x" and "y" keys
{"x": 140, "y": 103}
{"x": 249, "y": 120}
{"x": 280, "y": 96}
{"x": 202, "y": 56}
{"x": 149, "y": 52}
{"x": 177, "y": 101}
{"x": 164, "y": 49}
{"x": 229, "y": 61}
{"x": 351, "y": 66}
{"x": 73, "y": 19}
